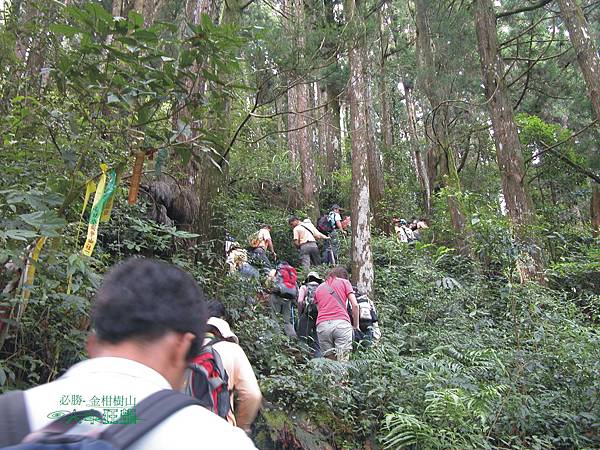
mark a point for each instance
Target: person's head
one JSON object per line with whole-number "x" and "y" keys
{"x": 402, "y": 222}
{"x": 266, "y": 226}
{"x": 395, "y": 219}
{"x": 216, "y": 309}
{"x": 338, "y": 272}
{"x": 220, "y": 328}
{"x": 150, "y": 312}
{"x": 293, "y": 221}
{"x": 336, "y": 208}
{"x": 313, "y": 276}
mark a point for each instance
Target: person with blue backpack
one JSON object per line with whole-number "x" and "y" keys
{"x": 331, "y": 225}
{"x": 148, "y": 319}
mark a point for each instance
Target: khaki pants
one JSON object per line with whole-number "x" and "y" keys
{"x": 335, "y": 338}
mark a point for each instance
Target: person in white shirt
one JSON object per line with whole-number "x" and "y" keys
{"x": 305, "y": 236}
{"x": 148, "y": 319}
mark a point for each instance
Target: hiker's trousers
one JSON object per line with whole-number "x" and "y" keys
{"x": 335, "y": 339}
{"x": 309, "y": 254}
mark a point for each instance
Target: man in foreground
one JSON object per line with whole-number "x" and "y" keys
{"x": 148, "y": 318}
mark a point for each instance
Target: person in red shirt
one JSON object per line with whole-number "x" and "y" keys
{"x": 335, "y": 329}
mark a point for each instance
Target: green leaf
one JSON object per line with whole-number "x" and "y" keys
{"x": 64, "y": 30}
{"x": 20, "y": 235}
{"x": 136, "y": 20}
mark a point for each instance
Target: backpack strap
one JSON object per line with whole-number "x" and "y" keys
{"x": 149, "y": 413}
{"x": 308, "y": 229}
{"x": 14, "y": 422}
{"x": 339, "y": 300}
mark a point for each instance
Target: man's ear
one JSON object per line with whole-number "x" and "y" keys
{"x": 92, "y": 345}
{"x": 186, "y": 342}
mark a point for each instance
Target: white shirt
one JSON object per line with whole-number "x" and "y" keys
{"x": 128, "y": 381}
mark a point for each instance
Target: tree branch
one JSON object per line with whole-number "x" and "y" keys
{"x": 523, "y": 9}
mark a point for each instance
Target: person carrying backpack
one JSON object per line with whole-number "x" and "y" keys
{"x": 335, "y": 329}
{"x": 403, "y": 232}
{"x": 305, "y": 236}
{"x": 147, "y": 318}
{"x": 367, "y": 318}
{"x": 240, "y": 386}
{"x": 332, "y": 224}
{"x": 308, "y": 311}
{"x": 261, "y": 242}
{"x": 285, "y": 290}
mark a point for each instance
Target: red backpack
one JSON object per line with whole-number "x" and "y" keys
{"x": 285, "y": 281}
{"x": 207, "y": 381}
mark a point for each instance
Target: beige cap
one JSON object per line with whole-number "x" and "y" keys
{"x": 223, "y": 328}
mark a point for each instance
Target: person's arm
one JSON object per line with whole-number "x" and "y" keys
{"x": 296, "y": 237}
{"x": 318, "y": 234}
{"x": 301, "y": 295}
{"x": 355, "y": 315}
{"x": 270, "y": 247}
{"x": 247, "y": 392}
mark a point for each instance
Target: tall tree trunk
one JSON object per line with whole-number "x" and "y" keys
{"x": 413, "y": 136}
{"x": 334, "y": 140}
{"x": 302, "y": 129}
{"x": 292, "y": 122}
{"x": 441, "y": 150}
{"x": 362, "y": 257}
{"x": 386, "y": 119}
{"x": 508, "y": 147}
{"x": 595, "y": 208}
{"x": 376, "y": 186}
{"x": 589, "y": 62}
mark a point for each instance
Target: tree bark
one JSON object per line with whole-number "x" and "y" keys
{"x": 419, "y": 163}
{"x": 595, "y": 208}
{"x": 376, "y": 186}
{"x": 299, "y": 135}
{"x": 508, "y": 147}
{"x": 334, "y": 140}
{"x": 362, "y": 257}
{"x": 589, "y": 62}
{"x": 386, "y": 119}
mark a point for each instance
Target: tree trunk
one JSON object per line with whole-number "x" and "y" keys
{"x": 334, "y": 140}
{"x": 362, "y": 257}
{"x": 299, "y": 102}
{"x": 386, "y": 120}
{"x": 413, "y": 137}
{"x": 292, "y": 122}
{"x": 589, "y": 62}
{"x": 508, "y": 147}
{"x": 376, "y": 186}
{"x": 595, "y": 208}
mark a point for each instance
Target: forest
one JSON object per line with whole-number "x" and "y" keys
{"x": 156, "y": 128}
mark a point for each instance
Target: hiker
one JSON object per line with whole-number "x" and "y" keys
{"x": 403, "y": 232}
{"x": 367, "y": 318}
{"x": 260, "y": 243}
{"x": 242, "y": 385}
{"x": 305, "y": 236}
{"x": 335, "y": 329}
{"x": 284, "y": 291}
{"x": 147, "y": 317}
{"x": 307, "y": 312}
{"x": 331, "y": 248}
{"x": 237, "y": 260}
{"x": 419, "y": 225}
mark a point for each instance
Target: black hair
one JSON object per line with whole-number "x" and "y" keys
{"x": 216, "y": 309}
{"x": 293, "y": 218}
{"x": 143, "y": 299}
